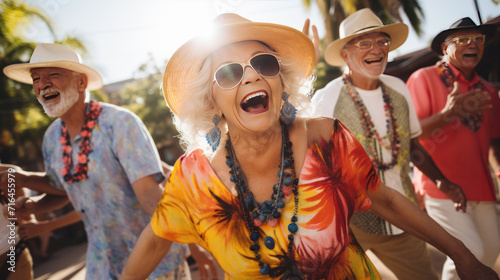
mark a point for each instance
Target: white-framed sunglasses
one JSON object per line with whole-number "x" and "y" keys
{"x": 228, "y": 76}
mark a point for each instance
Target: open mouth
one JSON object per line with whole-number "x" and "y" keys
{"x": 255, "y": 102}
{"x": 50, "y": 94}
{"x": 473, "y": 55}
{"x": 373, "y": 60}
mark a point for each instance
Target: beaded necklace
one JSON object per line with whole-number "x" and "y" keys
{"x": 270, "y": 211}
{"x": 371, "y": 131}
{"x": 85, "y": 148}
{"x": 473, "y": 121}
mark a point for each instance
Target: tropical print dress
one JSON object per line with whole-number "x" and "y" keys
{"x": 197, "y": 208}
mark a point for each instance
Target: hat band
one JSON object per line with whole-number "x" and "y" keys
{"x": 362, "y": 29}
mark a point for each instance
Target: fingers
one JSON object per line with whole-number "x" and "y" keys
{"x": 213, "y": 270}
{"x": 315, "y": 38}
{"x": 460, "y": 207}
{"x": 455, "y": 193}
{"x": 305, "y": 29}
{"x": 472, "y": 102}
{"x": 476, "y": 101}
{"x": 459, "y": 198}
{"x": 203, "y": 272}
{"x": 21, "y": 201}
{"x": 21, "y": 209}
{"x": 28, "y": 231}
{"x": 316, "y": 42}
{"x": 206, "y": 266}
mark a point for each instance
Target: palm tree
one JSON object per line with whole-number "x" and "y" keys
{"x": 17, "y": 100}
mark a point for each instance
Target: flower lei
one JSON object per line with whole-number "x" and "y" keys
{"x": 371, "y": 131}
{"x": 85, "y": 148}
{"x": 473, "y": 121}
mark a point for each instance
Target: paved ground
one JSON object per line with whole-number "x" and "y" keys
{"x": 69, "y": 264}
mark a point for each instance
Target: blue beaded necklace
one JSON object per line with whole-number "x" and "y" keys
{"x": 270, "y": 211}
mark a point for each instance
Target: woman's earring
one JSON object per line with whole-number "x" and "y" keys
{"x": 213, "y": 136}
{"x": 288, "y": 111}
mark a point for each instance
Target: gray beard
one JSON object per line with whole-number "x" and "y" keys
{"x": 67, "y": 100}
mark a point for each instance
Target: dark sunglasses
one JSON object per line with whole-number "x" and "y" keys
{"x": 228, "y": 76}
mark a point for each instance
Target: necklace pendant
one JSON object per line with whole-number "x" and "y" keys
{"x": 269, "y": 243}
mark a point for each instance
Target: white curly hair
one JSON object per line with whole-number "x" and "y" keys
{"x": 195, "y": 120}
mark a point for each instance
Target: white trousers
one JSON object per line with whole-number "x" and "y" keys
{"x": 478, "y": 229}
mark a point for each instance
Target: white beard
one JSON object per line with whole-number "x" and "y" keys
{"x": 67, "y": 100}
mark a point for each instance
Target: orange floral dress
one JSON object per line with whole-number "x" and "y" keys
{"x": 197, "y": 208}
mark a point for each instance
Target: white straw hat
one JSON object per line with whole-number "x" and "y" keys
{"x": 53, "y": 55}
{"x": 359, "y": 23}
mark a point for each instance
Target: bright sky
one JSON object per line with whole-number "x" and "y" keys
{"x": 123, "y": 34}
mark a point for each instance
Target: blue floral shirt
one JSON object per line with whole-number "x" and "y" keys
{"x": 122, "y": 152}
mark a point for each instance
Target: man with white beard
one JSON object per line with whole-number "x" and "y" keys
{"x": 99, "y": 156}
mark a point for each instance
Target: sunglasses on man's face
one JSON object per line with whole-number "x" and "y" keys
{"x": 228, "y": 76}
{"x": 467, "y": 39}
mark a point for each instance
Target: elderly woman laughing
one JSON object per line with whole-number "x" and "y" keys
{"x": 265, "y": 207}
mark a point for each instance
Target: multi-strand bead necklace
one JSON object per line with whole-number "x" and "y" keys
{"x": 270, "y": 211}
{"x": 370, "y": 130}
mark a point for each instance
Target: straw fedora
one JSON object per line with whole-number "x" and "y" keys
{"x": 53, "y": 55}
{"x": 187, "y": 61}
{"x": 461, "y": 24}
{"x": 359, "y": 23}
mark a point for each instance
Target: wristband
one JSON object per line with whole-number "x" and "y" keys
{"x": 497, "y": 174}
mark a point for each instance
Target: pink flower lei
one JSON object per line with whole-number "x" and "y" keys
{"x": 85, "y": 148}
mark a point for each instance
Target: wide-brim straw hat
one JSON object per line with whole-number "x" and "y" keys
{"x": 186, "y": 62}
{"x": 461, "y": 24}
{"x": 362, "y": 22}
{"x": 53, "y": 55}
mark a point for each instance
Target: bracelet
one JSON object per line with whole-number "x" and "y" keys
{"x": 497, "y": 174}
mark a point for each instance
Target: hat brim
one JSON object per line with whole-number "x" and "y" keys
{"x": 397, "y": 31}
{"x": 22, "y": 72}
{"x": 187, "y": 61}
{"x": 486, "y": 29}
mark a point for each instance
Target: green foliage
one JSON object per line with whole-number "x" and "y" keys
{"x": 144, "y": 97}
{"x": 21, "y": 116}
{"x": 325, "y": 73}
